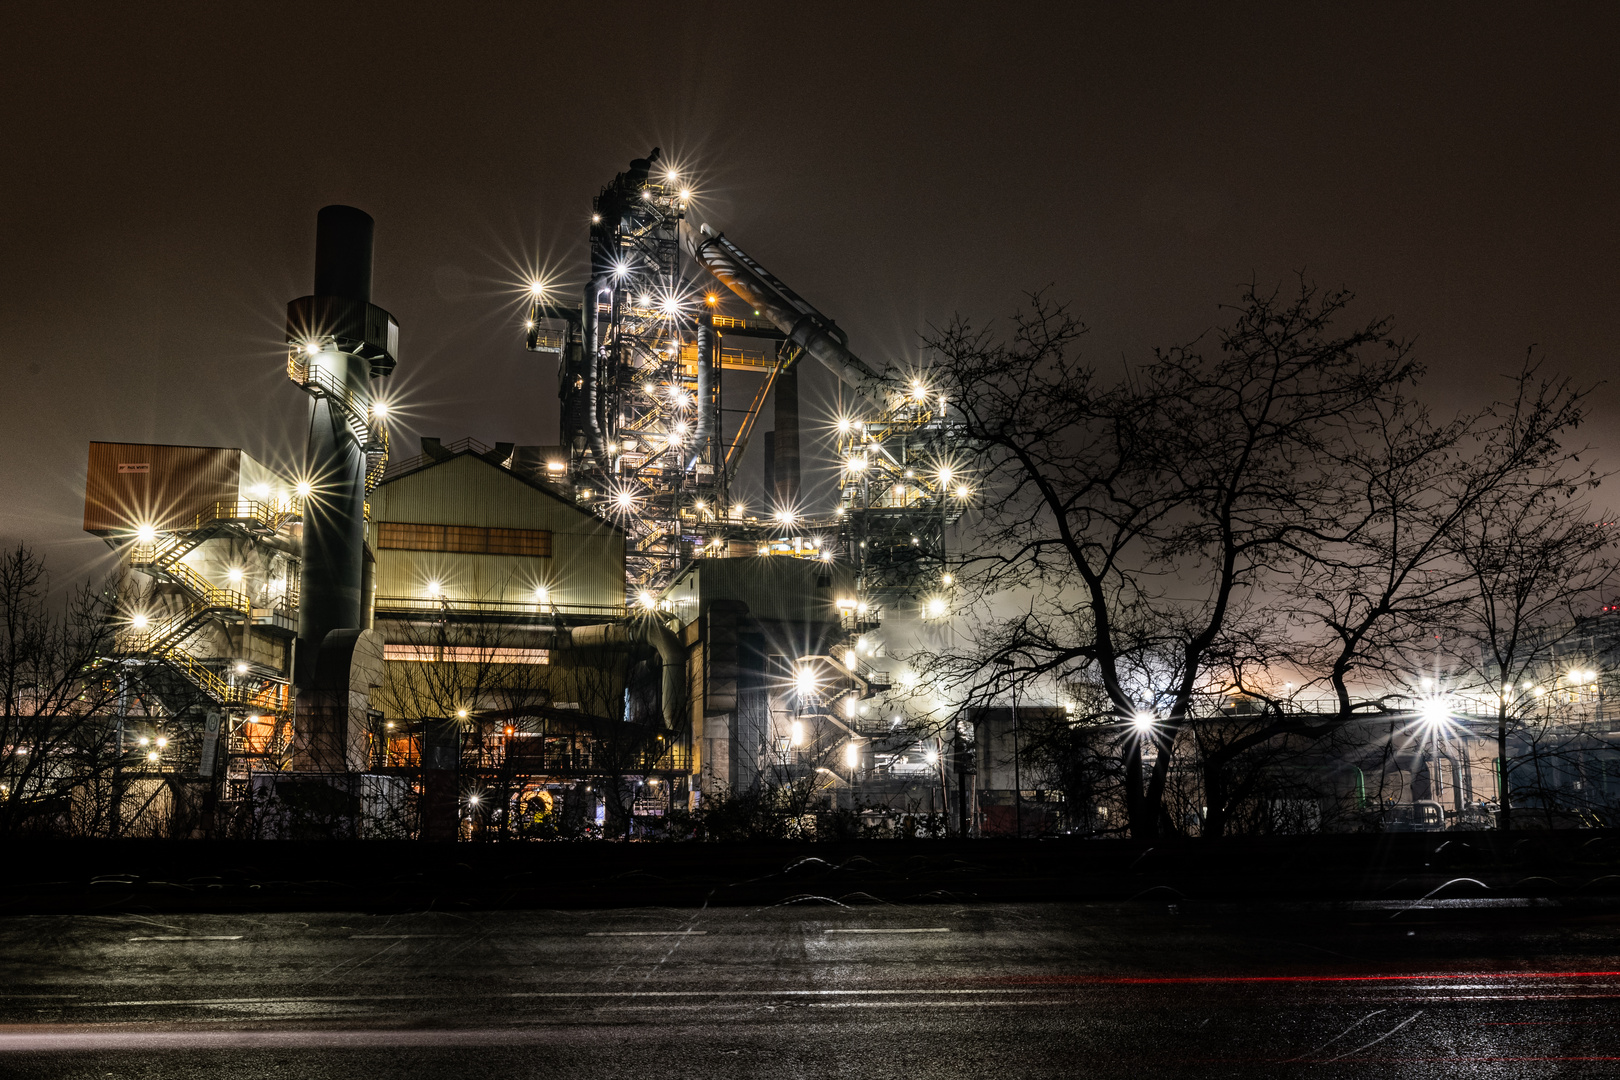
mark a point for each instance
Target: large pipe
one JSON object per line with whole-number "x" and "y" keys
{"x": 789, "y": 312}
{"x": 331, "y": 595}
{"x": 647, "y": 631}
{"x": 603, "y": 241}
{"x": 706, "y": 355}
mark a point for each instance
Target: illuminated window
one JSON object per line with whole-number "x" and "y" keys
{"x": 459, "y": 654}
{"x": 463, "y": 539}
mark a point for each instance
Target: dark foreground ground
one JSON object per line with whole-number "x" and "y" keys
{"x": 1279, "y": 966}
{"x": 96, "y": 876}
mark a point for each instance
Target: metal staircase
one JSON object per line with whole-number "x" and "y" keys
{"x": 164, "y": 642}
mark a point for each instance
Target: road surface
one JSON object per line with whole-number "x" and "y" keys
{"x": 1144, "y": 989}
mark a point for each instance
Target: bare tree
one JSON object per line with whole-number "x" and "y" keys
{"x": 56, "y": 719}
{"x": 1269, "y": 521}
{"x": 1149, "y": 510}
{"x": 1534, "y": 554}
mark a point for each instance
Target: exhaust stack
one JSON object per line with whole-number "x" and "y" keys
{"x": 340, "y": 342}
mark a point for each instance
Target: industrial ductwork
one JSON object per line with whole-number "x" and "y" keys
{"x": 649, "y": 632}
{"x": 707, "y": 358}
{"x": 789, "y": 312}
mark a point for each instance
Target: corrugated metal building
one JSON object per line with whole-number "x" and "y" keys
{"x": 128, "y": 485}
{"x": 465, "y": 529}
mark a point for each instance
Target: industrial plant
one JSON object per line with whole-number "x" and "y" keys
{"x": 610, "y": 634}
{"x": 455, "y": 637}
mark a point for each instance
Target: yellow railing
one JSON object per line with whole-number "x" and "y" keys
{"x": 181, "y": 539}
{"x": 376, "y": 466}
{"x": 387, "y": 605}
{"x": 271, "y": 699}
{"x": 154, "y": 640}
{"x": 211, "y": 595}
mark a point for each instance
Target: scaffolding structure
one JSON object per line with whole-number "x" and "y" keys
{"x": 643, "y": 438}
{"x": 899, "y": 490}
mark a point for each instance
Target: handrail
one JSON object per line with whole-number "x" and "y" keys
{"x": 181, "y": 540}
{"x": 158, "y": 638}
{"x": 320, "y": 382}
{"x": 377, "y": 463}
{"x": 460, "y": 446}
{"x": 269, "y": 699}
{"x": 211, "y": 595}
{"x": 513, "y": 607}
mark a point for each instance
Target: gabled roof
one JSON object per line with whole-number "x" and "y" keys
{"x": 467, "y": 449}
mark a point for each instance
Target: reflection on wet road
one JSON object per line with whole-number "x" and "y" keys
{"x": 923, "y": 991}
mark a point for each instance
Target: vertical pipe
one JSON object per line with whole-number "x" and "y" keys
{"x": 604, "y": 255}
{"x": 591, "y": 370}
{"x": 705, "y": 386}
{"x": 787, "y": 437}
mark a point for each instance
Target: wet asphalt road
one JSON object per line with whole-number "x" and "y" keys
{"x": 1132, "y": 990}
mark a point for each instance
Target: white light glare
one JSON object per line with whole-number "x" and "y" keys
{"x": 646, "y": 599}
{"x": 1435, "y": 710}
{"x": 146, "y": 534}
{"x": 536, "y": 288}
{"x": 804, "y": 680}
{"x": 1143, "y": 720}
{"x": 852, "y": 755}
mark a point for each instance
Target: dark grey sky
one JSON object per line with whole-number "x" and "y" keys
{"x": 160, "y": 169}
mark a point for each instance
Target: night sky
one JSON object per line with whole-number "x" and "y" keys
{"x": 1456, "y": 167}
